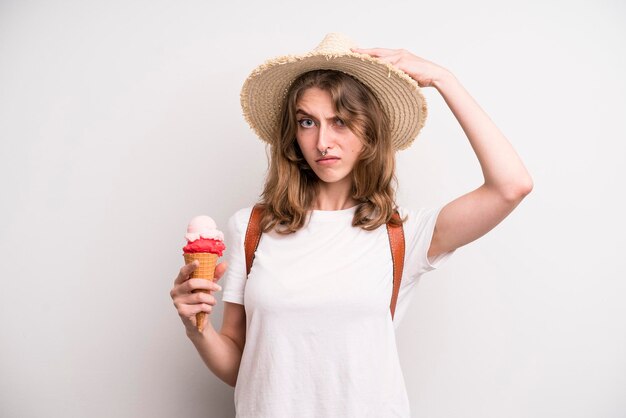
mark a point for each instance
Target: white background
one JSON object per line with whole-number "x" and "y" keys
{"x": 120, "y": 120}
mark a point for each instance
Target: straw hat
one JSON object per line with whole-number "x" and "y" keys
{"x": 265, "y": 89}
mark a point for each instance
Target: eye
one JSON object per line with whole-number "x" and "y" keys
{"x": 339, "y": 122}
{"x": 306, "y": 123}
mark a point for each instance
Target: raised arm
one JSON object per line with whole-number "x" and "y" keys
{"x": 506, "y": 180}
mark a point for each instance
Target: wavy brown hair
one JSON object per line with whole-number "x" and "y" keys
{"x": 291, "y": 185}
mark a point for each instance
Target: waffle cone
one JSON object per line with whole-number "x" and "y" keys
{"x": 206, "y": 270}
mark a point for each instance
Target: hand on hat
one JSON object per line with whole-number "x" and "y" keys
{"x": 426, "y": 73}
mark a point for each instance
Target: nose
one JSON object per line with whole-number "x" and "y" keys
{"x": 324, "y": 138}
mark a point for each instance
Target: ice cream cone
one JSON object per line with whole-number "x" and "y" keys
{"x": 205, "y": 270}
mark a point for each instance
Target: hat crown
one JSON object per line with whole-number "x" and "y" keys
{"x": 335, "y": 43}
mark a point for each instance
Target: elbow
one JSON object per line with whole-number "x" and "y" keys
{"x": 516, "y": 192}
{"x": 525, "y": 187}
{"x": 513, "y": 193}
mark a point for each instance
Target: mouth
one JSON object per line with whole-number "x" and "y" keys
{"x": 327, "y": 159}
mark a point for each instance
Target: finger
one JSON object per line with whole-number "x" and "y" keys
{"x": 186, "y": 271}
{"x": 200, "y": 284}
{"x": 182, "y": 303}
{"x": 189, "y": 299}
{"x": 391, "y": 59}
{"x": 201, "y": 307}
{"x": 201, "y": 297}
{"x": 187, "y": 311}
{"x": 220, "y": 269}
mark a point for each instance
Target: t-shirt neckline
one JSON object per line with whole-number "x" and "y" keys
{"x": 317, "y": 215}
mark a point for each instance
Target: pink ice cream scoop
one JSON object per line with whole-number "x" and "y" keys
{"x": 204, "y": 237}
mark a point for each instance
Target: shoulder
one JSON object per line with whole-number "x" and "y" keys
{"x": 419, "y": 221}
{"x": 242, "y": 214}
{"x": 239, "y": 220}
{"x": 411, "y": 215}
{"x": 419, "y": 230}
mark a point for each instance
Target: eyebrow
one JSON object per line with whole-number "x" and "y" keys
{"x": 302, "y": 112}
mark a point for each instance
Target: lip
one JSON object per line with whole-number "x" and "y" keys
{"x": 327, "y": 160}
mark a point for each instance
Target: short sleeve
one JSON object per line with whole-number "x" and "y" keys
{"x": 418, "y": 233}
{"x": 235, "y": 278}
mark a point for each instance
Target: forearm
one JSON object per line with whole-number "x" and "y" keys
{"x": 502, "y": 168}
{"x": 220, "y": 353}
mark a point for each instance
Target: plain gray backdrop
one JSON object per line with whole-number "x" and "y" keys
{"x": 120, "y": 120}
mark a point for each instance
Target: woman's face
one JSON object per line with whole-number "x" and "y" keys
{"x": 319, "y": 129}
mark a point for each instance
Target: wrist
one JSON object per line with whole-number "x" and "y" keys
{"x": 194, "y": 335}
{"x": 443, "y": 80}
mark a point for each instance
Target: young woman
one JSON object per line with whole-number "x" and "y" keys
{"x": 309, "y": 331}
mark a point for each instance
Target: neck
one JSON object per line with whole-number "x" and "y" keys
{"x": 334, "y": 196}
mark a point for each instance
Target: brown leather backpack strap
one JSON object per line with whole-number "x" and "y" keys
{"x": 253, "y": 235}
{"x": 396, "y": 241}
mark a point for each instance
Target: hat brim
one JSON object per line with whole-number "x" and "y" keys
{"x": 264, "y": 91}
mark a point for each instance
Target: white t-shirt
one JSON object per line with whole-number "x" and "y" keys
{"x": 320, "y": 341}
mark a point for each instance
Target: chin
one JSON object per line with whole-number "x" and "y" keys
{"x": 330, "y": 179}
